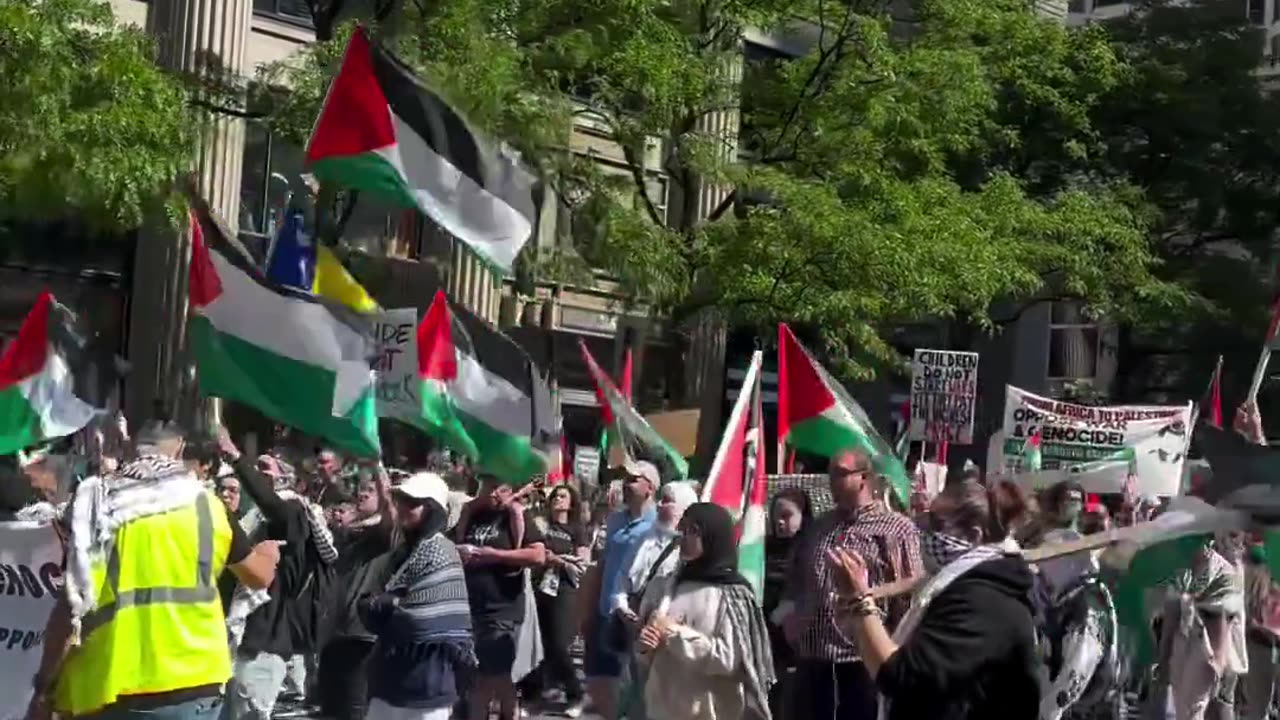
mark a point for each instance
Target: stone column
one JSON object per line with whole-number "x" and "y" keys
{"x": 708, "y": 331}
{"x": 204, "y": 38}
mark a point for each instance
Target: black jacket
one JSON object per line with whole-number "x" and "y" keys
{"x": 973, "y": 655}
{"x": 296, "y": 618}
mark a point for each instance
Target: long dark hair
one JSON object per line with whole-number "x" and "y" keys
{"x": 575, "y": 503}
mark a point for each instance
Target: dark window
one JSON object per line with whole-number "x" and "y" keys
{"x": 1105, "y": 3}
{"x": 292, "y": 10}
{"x": 272, "y": 174}
{"x": 1258, "y": 11}
{"x": 1076, "y": 6}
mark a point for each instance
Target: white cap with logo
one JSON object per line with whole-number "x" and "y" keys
{"x": 424, "y": 486}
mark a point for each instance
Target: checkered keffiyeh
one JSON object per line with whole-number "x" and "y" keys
{"x": 941, "y": 549}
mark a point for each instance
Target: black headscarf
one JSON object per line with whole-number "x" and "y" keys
{"x": 718, "y": 563}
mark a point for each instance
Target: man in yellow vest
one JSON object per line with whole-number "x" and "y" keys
{"x": 139, "y": 630}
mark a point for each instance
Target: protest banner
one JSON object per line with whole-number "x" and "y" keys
{"x": 30, "y": 580}
{"x": 1097, "y": 446}
{"x": 944, "y": 385}
{"x": 395, "y": 337}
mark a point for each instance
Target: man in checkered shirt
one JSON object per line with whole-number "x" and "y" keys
{"x": 831, "y": 676}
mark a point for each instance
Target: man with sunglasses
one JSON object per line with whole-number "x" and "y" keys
{"x": 830, "y": 673}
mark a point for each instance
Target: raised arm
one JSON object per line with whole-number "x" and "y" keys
{"x": 259, "y": 487}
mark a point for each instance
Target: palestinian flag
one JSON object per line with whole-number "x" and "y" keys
{"x": 38, "y": 399}
{"x": 1245, "y": 476}
{"x": 817, "y": 415}
{"x": 1032, "y": 457}
{"x": 482, "y": 395}
{"x": 1152, "y": 554}
{"x": 298, "y": 359}
{"x": 383, "y": 131}
{"x": 737, "y": 479}
{"x": 638, "y": 438}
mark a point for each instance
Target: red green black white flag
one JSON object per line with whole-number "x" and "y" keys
{"x": 383, "y": 131}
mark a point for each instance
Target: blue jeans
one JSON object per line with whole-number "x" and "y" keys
{"x": 200, "y": 709}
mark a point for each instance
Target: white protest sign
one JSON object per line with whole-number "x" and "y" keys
{"x": 1096, "y": 446}
{"x": 395, "y": 337}
{"x": 944, "y": 385}
{"x": 586, "y": 464}
{"x": 30, "y": 580}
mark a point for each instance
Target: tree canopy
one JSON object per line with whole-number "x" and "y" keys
{"x": 902, "y": 169}
{"x": 90, "y": 126}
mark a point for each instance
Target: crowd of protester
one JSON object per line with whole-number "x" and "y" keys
{"x": 435, "y": 592}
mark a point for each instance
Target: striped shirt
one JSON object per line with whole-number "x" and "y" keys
{"x": 890, "y": 545}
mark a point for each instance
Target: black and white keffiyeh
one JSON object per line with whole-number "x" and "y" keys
{"x": 939, "y": 550}
{"x": 150, "y": 485}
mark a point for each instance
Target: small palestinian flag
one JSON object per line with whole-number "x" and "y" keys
{"x": 737, "y": 480}
{"x": 637, "y": 437}
{"x": 384, "y": 132}
{"x": 38, "y": 400}
{"x": 1031, "y": 455}
{"x": 482, "y": 395}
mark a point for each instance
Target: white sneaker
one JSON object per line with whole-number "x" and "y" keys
{"x": 574, "y": 710}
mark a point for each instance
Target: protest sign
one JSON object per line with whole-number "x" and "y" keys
{"x": 944, "y": 385}
{"x": 1096, "y": 446}
{"x": 30, "y": 580}
{"x": 586, "y": 464}
{"x": 395, "y": 338}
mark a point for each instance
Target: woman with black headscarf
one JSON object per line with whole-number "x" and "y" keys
{"x": 705, "y": 645}
{"x": 422, "y": 617}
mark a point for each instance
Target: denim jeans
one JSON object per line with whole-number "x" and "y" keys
{"x": 199, "y": 709}
{"x": 255, "y": 686}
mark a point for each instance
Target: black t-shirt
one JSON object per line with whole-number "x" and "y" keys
{"x": 497, "y": 591}
{"x": 564, "y": 539}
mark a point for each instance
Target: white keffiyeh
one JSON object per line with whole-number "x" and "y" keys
{"x": 150, "y": 485}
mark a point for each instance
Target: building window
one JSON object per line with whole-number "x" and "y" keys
{"x": 1073, "y": 343}
{"x": 1257, "y": 11}
{"x": 1106, "y": 3}
{"x": 295, "y": 11}
{"x": 272, "y": 175}
{"x": 1076, "y": 7}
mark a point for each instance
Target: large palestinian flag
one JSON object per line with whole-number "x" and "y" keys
{"x": 482, "y": 396}
{"x": 38, "y": 400}
{"x": 817, "y": 415}
{"x": 638, "y": 438}
{"x": 298, "y": 359}
{"x": 384, "y": 132}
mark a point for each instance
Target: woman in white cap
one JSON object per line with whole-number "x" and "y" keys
{"x": 422, "y": 617}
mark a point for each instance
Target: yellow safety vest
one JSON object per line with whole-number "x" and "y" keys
{"x": 159, "y": 625}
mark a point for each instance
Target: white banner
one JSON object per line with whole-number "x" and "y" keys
{"x": 395, "y": 336}
{"x": 30, "y": 580}
{"x": 1097, "y": 446}
{"x": 944, "y": 385}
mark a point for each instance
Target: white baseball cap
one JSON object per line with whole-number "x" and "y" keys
{"x": 644, "y": 469}
{"x": 425, "y": 486}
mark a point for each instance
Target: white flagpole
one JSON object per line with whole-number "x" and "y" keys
{"x": 1259, "y": 372}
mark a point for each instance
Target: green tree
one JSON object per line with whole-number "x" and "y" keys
{"x": 90, "y": 127}
{"x": 1192, "y": 125}
{"x": 885, "y": 177}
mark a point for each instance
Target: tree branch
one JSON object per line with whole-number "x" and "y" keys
{"x": 230, "y": 111}
{"x": 642, "y": 185}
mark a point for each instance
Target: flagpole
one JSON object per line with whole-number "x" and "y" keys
{"x": 1259, "y": 373}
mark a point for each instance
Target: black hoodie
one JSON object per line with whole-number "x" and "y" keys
{"x": 973, "y": 655}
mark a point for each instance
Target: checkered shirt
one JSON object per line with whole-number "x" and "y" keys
{"x": 890, "y": 545}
